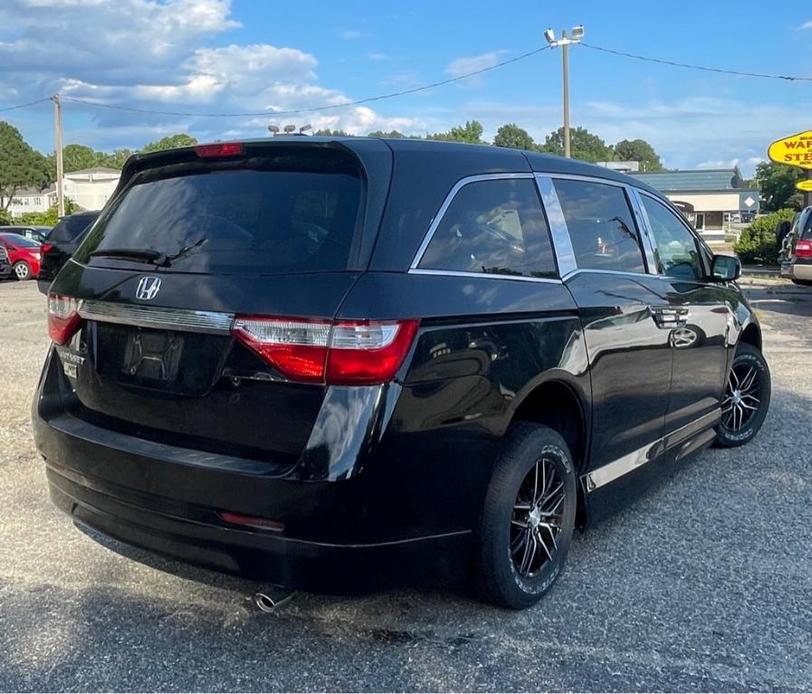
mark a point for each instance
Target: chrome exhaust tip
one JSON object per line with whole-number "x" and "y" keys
{"x": 268, "y": 601}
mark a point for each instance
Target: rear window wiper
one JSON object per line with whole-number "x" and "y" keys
{"x": 145, "y": 256}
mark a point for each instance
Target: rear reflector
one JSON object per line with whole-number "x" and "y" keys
{"x": 219, "y": 149}
{"x": 63, "y": 318}
{"x": 336, "y": 353}
{"x": 803, "y": 249}
{"x": 250, "y": 521}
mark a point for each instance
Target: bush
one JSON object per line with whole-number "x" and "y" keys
{"x": 758, "y": 242}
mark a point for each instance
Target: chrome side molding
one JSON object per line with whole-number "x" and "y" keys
{"x": 631, "y": 461}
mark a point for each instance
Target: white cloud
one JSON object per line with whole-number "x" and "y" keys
{"x": 350, "y": 34}
{"x": 159, "y": 56}
{"x": 806, "y": 25}
{"x": 462, "y": 66}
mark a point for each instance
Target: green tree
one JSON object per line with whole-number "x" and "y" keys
{"x": 471, "y": 132}
{"x": 777, "y": 183}
{"x": 584, "y": 145}
{"x": 758, "y": 240}
{"x": 115, "y": 159}
{"x": 78, "y": 157}
{"x": 392, "y": 134}
{"x": 49, "y": 218}
{"x": 511, "y": 135}
{"x": 170, "y": 142}
{"x": 326, "y": 132}
{"x": 638, "y": 150}
{"x": 20, "y": 165}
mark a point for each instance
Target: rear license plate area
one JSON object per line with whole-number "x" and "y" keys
{"x": 175, "y": 362}
{"x": 151, "y": 355}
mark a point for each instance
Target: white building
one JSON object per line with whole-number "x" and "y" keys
{"x": 31, "y": 200}
{"x": 90, "y": 189}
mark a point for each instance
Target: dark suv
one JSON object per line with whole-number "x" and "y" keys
{"x": 341, "y": 364}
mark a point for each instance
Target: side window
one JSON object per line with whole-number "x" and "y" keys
{"x": 494, "y": 226}
{"x": 601, "y": 226}
{"x": 677, "y": 250}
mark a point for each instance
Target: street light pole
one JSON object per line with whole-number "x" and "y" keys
{"x": 564, "y": 43}
{"x": 565, "y": 69}
{"x": 60, "y": 193}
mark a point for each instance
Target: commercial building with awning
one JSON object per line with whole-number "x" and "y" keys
{"x": 712, "y": 199}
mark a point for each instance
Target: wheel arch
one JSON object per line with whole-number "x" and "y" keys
{"x": 559, "y": 404}
{"x": 751, "y": 335}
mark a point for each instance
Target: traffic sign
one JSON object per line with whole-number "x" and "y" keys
{"x": 794, "y": 150}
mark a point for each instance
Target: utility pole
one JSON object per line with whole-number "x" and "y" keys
{"x": 60, "y": 194}
{"x": 564, "y": 43}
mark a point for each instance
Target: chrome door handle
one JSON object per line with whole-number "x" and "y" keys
{"x": 669, "y": 318}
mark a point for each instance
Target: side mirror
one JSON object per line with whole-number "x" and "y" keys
{"x": 726, "y": 268}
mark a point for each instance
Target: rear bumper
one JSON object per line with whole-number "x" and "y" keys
{"x": 261, "y": 555}
{"x": 801, "y": 271}
{"x": 333, "y": 535}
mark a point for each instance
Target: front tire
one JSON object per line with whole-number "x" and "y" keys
{"x": 22, "y": 270}
{"x": 747, "y": 398}
{"x": 528, "y": 517}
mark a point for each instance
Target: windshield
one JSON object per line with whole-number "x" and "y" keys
{"x": 232, "y": 221}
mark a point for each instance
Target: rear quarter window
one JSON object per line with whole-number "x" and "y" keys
{"x": 493, "y": 227}
{"x": 242, "y": 220}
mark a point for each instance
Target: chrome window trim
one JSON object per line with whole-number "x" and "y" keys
{"x": 562, "y": 243}
{"x": 623, "y": 273}
{"x": 482, "y": 275}
{"x": 212, "y": 322}
{"x": 435, "y": 222}
{"x": 643, "y": 224}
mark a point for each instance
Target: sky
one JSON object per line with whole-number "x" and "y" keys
{"x": 215, "y": 56}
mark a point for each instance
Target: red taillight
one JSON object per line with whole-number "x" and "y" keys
{"x": 45, "y": 248}
{"x": 803, "y": 249}
{"x": 219, "y": 149}
{"x": 336, "y": 353}
{"x": 63, "y": 318}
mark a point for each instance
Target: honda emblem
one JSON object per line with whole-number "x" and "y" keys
{"x": 148, "y": 288}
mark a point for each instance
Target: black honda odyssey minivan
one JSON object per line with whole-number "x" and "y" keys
{"x": 345, "y": 364}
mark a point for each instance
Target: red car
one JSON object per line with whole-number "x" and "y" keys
{"x": 23, "y": 254}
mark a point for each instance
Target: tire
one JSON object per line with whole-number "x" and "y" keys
{"x": 22, "y": 270}
{"x": 743, "y": 415}
{"x": 505, "y": 576}
{"x": 803, "y": 283}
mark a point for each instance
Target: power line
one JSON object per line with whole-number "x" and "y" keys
{"x": 26, "y": 105}
{"x": 314, "y": 109}
{"x": 674, "y": 63}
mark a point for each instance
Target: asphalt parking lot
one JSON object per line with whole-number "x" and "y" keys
{"x": 705, "y": 583}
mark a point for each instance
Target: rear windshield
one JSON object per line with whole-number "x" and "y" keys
{"x": 242, "y": 220}
{"x": 70, "y": 227}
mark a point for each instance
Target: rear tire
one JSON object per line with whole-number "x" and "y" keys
{"x": 22, "y": 270}
{"x": 747, "y": 398}
{"x": 528, "y": 517}
{"x": 803, "y": 283}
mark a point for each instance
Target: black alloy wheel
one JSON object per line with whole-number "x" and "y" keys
{"x": 746, "y": 399}
{"x": 528, "y": 517}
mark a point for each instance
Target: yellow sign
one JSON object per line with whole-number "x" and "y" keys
{"x": 805, "y": 185}
{"x": 795, "y": 150}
